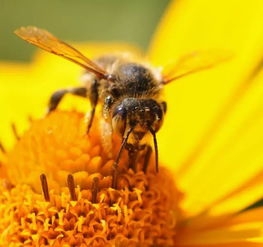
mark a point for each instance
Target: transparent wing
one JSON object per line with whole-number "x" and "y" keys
{"x": 194, "y": 62}
{"x": 46, "y": 41}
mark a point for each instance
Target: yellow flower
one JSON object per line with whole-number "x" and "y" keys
{"x": 211, "y": 141}
{"x": 140, "y": 211}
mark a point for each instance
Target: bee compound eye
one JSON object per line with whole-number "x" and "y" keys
{"x": 156, "y": 125}
{"x": 120, "y": 111}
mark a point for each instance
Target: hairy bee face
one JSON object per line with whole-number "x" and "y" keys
{"x": 138, "y": 114}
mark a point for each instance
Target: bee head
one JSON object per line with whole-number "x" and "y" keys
{"x": 141, "y": 115}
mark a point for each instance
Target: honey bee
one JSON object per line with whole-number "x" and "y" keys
{"x": 130, "y": 92}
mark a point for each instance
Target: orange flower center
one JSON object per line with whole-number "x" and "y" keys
{"x": 79, "y": 206}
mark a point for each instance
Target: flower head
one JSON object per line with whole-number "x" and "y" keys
{"x": 211, "y": 141}
{"x": 78, "y": 205}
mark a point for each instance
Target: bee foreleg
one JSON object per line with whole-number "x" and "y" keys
{"x": 133, "y": 155}
{"x": 58, "y": 96}
{"x": 133, "y": 152}
{"x": 93, "y": 96}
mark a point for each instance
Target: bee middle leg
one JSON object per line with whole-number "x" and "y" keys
{"x": 58, "y": 96}
{"x": 92, "y": 94}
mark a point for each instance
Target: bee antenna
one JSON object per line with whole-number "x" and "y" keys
{"x": 155, "y": 148}
{"x": 115, "y": 165}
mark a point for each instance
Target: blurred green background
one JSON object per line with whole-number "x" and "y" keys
{"x": 78, "y": 20}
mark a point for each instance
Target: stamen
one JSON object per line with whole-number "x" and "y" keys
{"x": 14, "y": 129}
{"x": 71, "y": 186}
{"x": 95, "y": 189}
{"x": 2, "y": 148}
{"x": 44, "y": 185}
{"x": 30, "y": 119}
{"x": 115, "y": 175}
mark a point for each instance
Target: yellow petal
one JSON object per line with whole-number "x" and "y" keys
{"x": 241, "y": 230}
{"x": 191, "y": 25}
{"x": 233, "y": 159}
{"x": 251, "y": 191}
{"x": 207, "y": 111}
{"x": 248, "y": 234}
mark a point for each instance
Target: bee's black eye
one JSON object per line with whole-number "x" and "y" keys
{"x": 120, "y": 111}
